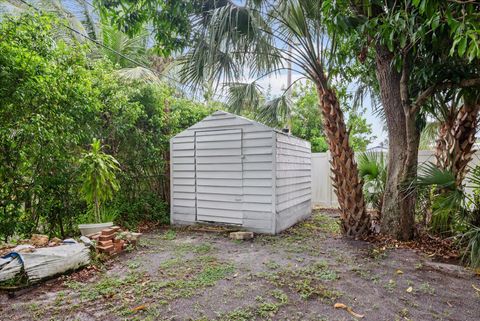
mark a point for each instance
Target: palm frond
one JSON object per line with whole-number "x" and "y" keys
{"x": 431, "y": 175}
{"x": 138, "y": 74}
{"x": 243, "y": 96}
{"x": 429, "y": 135}
{"x": 275, "y": 111}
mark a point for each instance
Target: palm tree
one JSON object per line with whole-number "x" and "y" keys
{"x": 455, "y": 113}
{"x": 234, "y": 43}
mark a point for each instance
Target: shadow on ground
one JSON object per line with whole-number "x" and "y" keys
{"x": 299, "y": 275}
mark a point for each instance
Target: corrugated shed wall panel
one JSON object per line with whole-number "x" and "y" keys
{"x": 184, "y": 188}
{"x": 182, "y": 146}
{"x": 183, "y": 181}
{"x": 183, "y": 160}
{"x": 218, "y": 159}
{"x": 293, "y": 180}
{"x": 179, "y": 153}
{"x": 291, "y": 203}
{"x": 224, "y": 175}
{"x": 219, "y": 144}
{"x": 184, "y": 210}
{"x": 219, "y": 182}
{"x": 214, "y": 166}
{"x": 292, "y": 187}
{"x": 257, "y": 166}
{"x": 183, "y": 167}
{"x": 183, "y": 195}
{"x": 292, "y": 195}
{"x": 258, "y": 174}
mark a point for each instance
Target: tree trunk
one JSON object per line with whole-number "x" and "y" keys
{"x": 398, "y": 210}
{"x": 456, "y": 137}
{"x": 347, "y": 184}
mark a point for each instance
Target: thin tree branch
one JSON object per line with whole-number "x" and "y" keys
{"x": 427, "y": 93}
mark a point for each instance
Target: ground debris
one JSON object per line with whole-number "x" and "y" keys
{"x": 348, "y": 309}
{"x": 435, "y": 247}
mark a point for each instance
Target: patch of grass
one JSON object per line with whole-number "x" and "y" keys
{"x": 309, "y": 282}
{"x": 326, "y": 223}
{"x": 240, "y": 314}
{"x": 202, "y": 248}
{"x": 272, "y": 265}
{"x": 170, "y": 263}
{"x": 390, "y": 286}
{"x": 170, "y": 235}
{"x": 212, "y": 274}
{"x": 132, "y": 265}
{"x": 281, "y": 296}
{"x": 267, "y": 309}
{"x": 426, "y": 288}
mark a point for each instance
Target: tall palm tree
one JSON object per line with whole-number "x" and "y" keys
{"x": 234, "y": 43}
{"x": 456, "y": 118}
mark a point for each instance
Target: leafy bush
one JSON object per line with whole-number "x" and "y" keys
{"x": 146, "y": 208}
{"x": 54, "y": 99}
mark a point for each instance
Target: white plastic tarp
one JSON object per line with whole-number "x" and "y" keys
{"x": 44, "y": 262}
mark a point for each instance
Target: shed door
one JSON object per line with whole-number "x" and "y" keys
{"x": 218, "y": 176}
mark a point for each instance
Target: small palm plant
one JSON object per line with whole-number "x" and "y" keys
{"x": 372, "y": 169}
{"x": 98, "y": 177}
{"x": 455, "y": 209}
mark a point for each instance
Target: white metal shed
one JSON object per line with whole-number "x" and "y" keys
{"x": 231, "y": 170}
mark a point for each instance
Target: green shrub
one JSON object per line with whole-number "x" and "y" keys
{"x": 146, "y": 208}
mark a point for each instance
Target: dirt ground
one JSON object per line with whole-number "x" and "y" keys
{"x": 180, "y": 274}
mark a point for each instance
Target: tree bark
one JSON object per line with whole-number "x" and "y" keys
{"x": 348, "y": 186}
{"x": 456, "y": 137}
{"x": 398, "y": 210}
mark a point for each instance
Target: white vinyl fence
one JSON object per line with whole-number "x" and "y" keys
{"x": 323, "y": 194}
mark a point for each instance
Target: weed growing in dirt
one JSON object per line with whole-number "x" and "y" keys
{"x": 426, "y": 288}
{"x": 170, "y": 235}
{"x": 272, "y": 265}
{"x": 309, "y": 282}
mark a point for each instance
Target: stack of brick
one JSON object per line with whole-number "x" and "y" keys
{"x": 111, "y": 240}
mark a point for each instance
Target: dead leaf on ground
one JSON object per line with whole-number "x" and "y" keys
{"x": 139, "y": 308}
{"x": 476, "y": 288}
{"x": 409, "y": 289}
{"x": 348, "y": 309}
{"x": 399, "y": 272}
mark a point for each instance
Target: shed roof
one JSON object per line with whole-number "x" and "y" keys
{"x": 246, "y": 120}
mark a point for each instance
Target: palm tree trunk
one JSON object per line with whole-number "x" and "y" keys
{"x": 346, "y": 181}
{"x": 456, "y": 137}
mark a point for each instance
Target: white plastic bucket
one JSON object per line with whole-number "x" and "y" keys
{"x": 87, "y": 229}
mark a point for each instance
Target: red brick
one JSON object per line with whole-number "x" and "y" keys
{"x": 105, "y": 249}
{"x": 119, "y": 246}
{"x": 108, "y": 231}
{"x": 106, "y": 237}
{"x": 105, "y": 243}
{"x": 115, "y": 228}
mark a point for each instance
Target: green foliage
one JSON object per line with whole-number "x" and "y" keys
{"x": 360, "y": 131}
{"x": 54, "y": 100}
{"x": 306, "y": 118}
{"x": 98, "y": 177}
{"x": 169, "y": 19}
{"x": 372, "y": 169}
{"x": 454, "y": 211}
